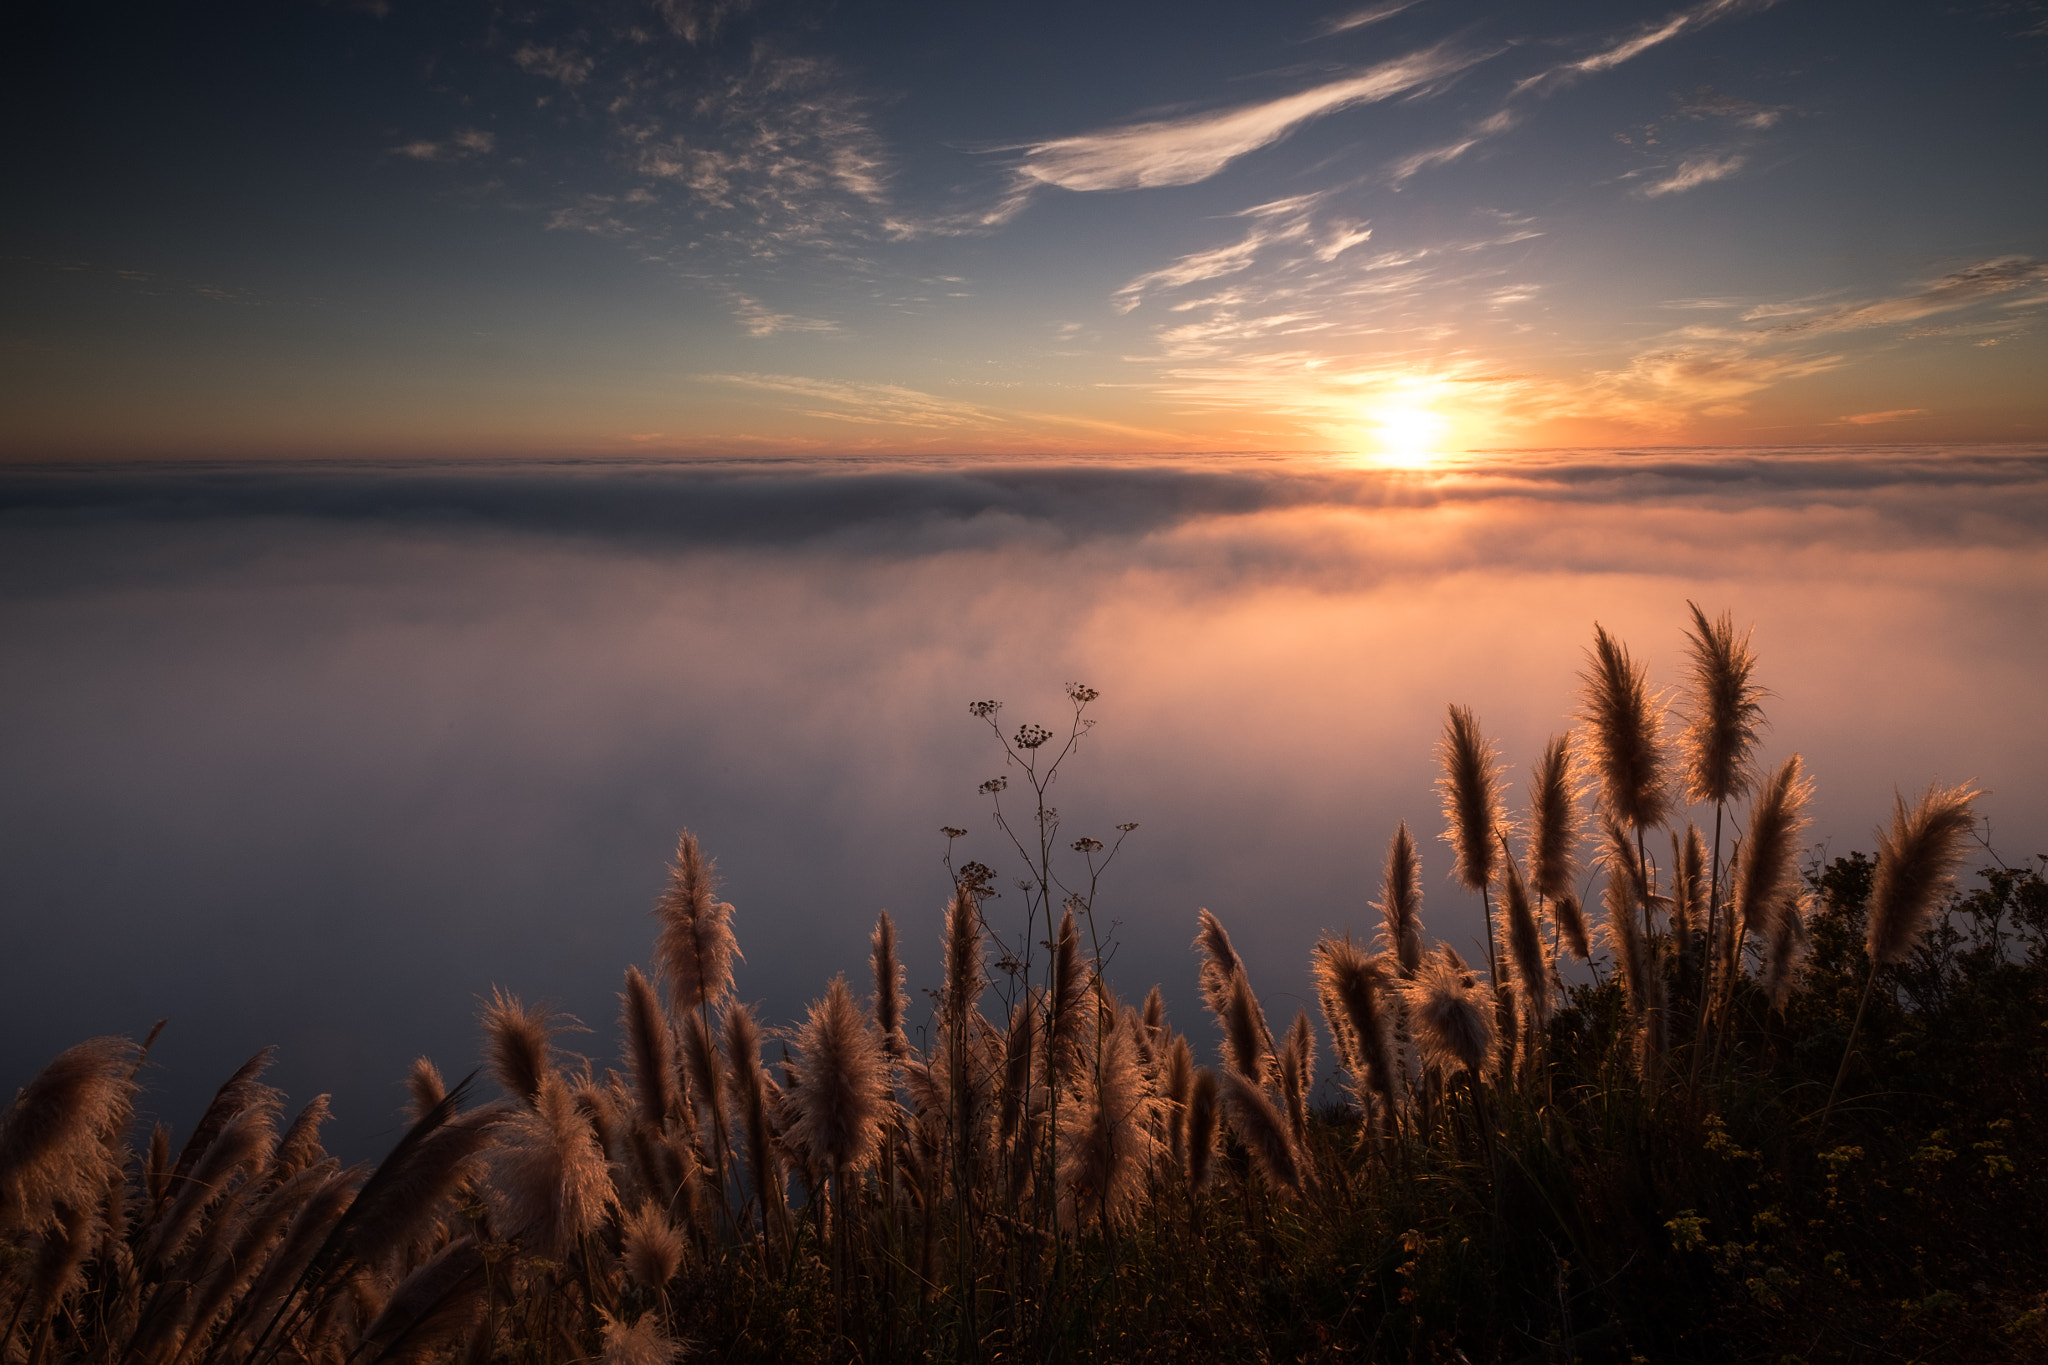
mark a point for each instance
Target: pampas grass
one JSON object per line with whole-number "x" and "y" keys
{"x": 550, "y": 1175}
{"x": 1360, "y": 1005}
{"x": 53, "y": 1137}
{"x": 1400, "y": 903}
{"x": 1454, "y": 1021}
{"x": 836, "y": 1112}
{"x": 888, "y": 974}
{"x": 516, "y": 1044}
{"x": 1555, "y": 819}
{"x": 1470, "y": 785}
{"x": 1916, "y": 863}
{"x": 1724, "y": 712}
{"x": 1107, "y": 1147}
{"x": 1626, "y": 723}
{"x": 1770, "y": 851}
{"x": 696, "y": 944}
{"x": 651, "y": 1249}
{"x": 1258, "y": 1125}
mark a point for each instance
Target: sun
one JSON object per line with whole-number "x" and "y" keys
{"x": 1407, "y": 435}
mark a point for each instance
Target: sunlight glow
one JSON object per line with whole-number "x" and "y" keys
{"x": 1408, "y": 435}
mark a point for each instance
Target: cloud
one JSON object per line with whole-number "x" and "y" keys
{"x": 594, "y": 213}
{"x": 1707, "y": 102}
{"x": 1695, "y": 171}
{"x": 1208, "y": 265}
{"x": 1871, "y": 419}
{"x": 780, "y": 146}
{"x": 1359, "y": 18}
{"x": 867, "y": 404}
{"x": 1963, "y": 288}
{"x": 1641, "y": 41}
{"x": 1407, "y": 167}
{"x": 562, "y": 64}
{"x": 760, "y": 321}
{"x": 698, "y": 21}
{"x": 1187, "y": 150}
{"x": 462, "y": 142}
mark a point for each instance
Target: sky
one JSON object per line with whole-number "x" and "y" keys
{"x": 393, "y": 229}
{"x": 320, "y": 756}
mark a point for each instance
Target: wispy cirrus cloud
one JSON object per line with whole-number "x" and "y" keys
{"x": 1407, "y": 167}
{"x": 759, "y": 320}
{"x": 1695, "y": 171}
{"x": 1872, "y": 419}
{"x": 1642, "y": 40}
{"x": 1186, "y": 150}
{"x": 861, "y": 403}
{"x": 1994, "y": 280}
{"x": 1360, "y": 18}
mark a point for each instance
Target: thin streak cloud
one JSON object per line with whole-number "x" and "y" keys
{"x": 1699, "y": 16}
{"x": 1188, "y": 150}
{"x": 1695, "y": 171}
{"x": 1360, "y": 18}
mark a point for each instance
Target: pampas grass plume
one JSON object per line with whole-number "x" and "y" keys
{"x": 1627, "y": 724}
{"x": 1530, "y": 962}
{"x": 516, "y": 1044}
{"x": 1452, "y": 1015}
{"x": 1400, "y": 901}
{"x": 1471, "y": 794}
{"x": 1769, "y": 870}
{"x": 1725, "y": 712}
{"x": 839, "y": 1108}
{"x": 650, "y": 1246}
{"x": 888, "y": 972}
{"x": 1260, "y": 1128}
{"x": 553, "y": 1183}
{"x": 1916, "y": 863}
{"x": 696, "y": 943}
{"x": 53, "y": 1137}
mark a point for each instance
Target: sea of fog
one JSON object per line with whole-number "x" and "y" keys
{"x": 315, "y": 756}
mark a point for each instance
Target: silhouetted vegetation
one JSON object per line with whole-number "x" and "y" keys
{"x": 1782, "y": 1113}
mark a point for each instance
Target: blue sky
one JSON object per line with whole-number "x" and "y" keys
{"x": 797, "y": 228}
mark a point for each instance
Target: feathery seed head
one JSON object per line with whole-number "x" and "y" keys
{"x": 1627, "y": 724}
{"x": 696, "y": 944}
{"x": 650, "y": 1246}
{"x": 54, "y": 1136}
{"x": 1916, "y": 863}
{"x": 1452, "y": 1016}
{"x": 1526, "y": 955}
{"x": 1554, "y": 819}
{"x": 1359, "y": 1001}
{"x": 888, "y": 972}
{"x": 840, "y": 1107}
{"x": 1770, "y": 852}
{"x": 1400, "y": 901}
{"x": 1107, "y": 1147}
{"x": 1471, "y": 790}
{"x": 1726, "y": 711}
{"x": 553, "y": 1182}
